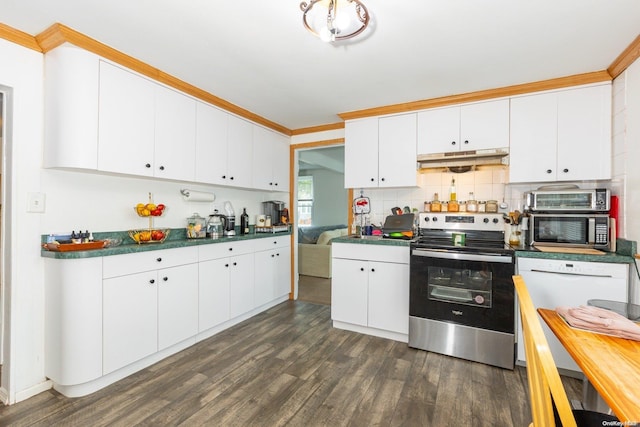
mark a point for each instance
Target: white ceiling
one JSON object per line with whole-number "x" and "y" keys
{"x": 257, "y": 55}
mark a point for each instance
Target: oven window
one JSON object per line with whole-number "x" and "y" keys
{"x": 460, "y": 286}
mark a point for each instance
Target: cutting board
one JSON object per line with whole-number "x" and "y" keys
{"x": 560, "y": 249}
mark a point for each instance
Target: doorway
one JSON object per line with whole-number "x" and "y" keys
{"x": 319, "y": 203}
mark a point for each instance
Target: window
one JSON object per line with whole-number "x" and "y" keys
{"x": 305, "y": 201}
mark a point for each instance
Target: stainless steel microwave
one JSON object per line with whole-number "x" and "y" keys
{"x": 570, "y": 230}
{"x": 575, "y": 200}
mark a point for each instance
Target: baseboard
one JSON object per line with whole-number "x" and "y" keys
{"x": 32, "y": 391}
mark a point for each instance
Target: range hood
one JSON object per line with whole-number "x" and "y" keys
{"x": 461, "y": 159}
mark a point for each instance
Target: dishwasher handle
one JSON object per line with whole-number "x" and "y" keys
{"x": 568, "y": 273}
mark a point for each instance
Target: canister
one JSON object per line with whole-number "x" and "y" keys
{"x": 196, "y": 227}
{"x": 427, "y": 207}
{"x": 436, "y": 206}
{"x": 462, "y": 206}
{"x": 492, "y": 206}
{"x": 482, "y": 207}
{"x": 453, "y": 206}
{"x": 444, "y": 207}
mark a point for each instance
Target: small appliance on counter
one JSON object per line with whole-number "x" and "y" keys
{"x": 216, "y": 225}
{"x": 276, "y": 210}
{"x": 399, "y": 226}
{"x": 230, "y": 217}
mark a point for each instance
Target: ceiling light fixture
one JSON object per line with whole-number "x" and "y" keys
{"x": 334, "y": 20}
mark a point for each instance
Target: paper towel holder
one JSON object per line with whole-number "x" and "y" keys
{"x": 197, "y": 196}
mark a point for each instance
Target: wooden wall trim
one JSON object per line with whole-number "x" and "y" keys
{"x": 19, "y": 37}
{"x": 626, "y": 58}
{"x": 58, "y": 34}
{"x": 575, "y": 80}
{"x": 320, "y": 128}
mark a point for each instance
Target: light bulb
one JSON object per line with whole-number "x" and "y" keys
{"x": 342, "y": 20}
{"x": 325, "y": 35}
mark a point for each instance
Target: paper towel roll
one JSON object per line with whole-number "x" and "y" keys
{"x": 197, "y": 196}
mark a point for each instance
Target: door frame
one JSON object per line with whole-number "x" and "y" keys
{"x": 294, "y": 149}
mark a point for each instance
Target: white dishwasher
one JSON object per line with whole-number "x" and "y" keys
{"x": 554, "y": 283}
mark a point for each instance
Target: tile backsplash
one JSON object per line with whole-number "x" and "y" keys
{"x": 486, "y": 183}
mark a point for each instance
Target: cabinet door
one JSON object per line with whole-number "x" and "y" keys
{"x": 439, "y": 130}
{"x": 177, "y": 304}
{"x": 361, "y": 153}
{"x": 239, "y": 144}
{"x": 241, "y": 285}
{"x": 280, "y": 161}
{"x": 283, "y": 271}
{"x": 397, "y": 151}
{"x": 584, "y": 134}
{"x": 262, "y": 158}
{"x": 175, "y": 135}
{"x": 484, "y": 125}
{"x": 532, "y": 155}
{"x": 211, "y": 144}
{"x": 130, "y": 328}
{"x": 213, "y": 300}
{"x": 349, "y": 291}
{"x": 126, "y": 122}
{"x": 388, "y": 302}
{"x": 265, "y": 271}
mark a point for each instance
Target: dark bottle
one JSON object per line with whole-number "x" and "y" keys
{"x": 244, "y": 222}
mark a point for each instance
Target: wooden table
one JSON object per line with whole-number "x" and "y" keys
{"x": 611, "y": 364}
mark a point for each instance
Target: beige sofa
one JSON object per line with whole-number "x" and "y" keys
{"x": 314, "y": 259}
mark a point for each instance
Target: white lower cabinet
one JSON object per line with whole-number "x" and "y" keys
{"x": 272, "y": 269}
{"x": 370, "y": 288}
{"x": 107, "y": 317}
{"x": 148, "y": 311}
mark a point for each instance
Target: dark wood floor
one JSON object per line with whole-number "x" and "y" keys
{"x": 314, "y": 289}
{"x": 288, "y": 366}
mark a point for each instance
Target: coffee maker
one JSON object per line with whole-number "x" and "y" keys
{"x": 276, "y": 210}
{"x": 230, "y": 220}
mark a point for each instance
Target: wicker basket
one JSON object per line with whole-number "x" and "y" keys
{"x": 135, "y": 235}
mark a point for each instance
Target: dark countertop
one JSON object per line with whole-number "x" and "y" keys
{"x": 177, "y": 239}
{"x": 624, "y": 254}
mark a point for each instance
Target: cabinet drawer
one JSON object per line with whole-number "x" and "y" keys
{"x": 224, "y": 249}
{"x": 119, "y": 265}
{"x": 397, "y": 254}
{"x": 267, "y": 243}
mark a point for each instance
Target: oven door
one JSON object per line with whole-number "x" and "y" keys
{"x": 469, "y": 289}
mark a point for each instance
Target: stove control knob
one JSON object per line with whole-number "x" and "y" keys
{"x": 486, "y": 220}
{"x": 426, "y": 219}
{"x": 435, "y": 219}
{"x": 496, "y": 220}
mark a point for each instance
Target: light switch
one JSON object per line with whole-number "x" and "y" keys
{"x": 35, "y": 202}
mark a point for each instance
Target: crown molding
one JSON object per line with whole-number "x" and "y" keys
{"x": 319, "y": 128}
{"x": 58, "y": 34}
{"x": 626, "y": 58}
{"x": 19, "y": 37}
{"x": 575, "y": 80}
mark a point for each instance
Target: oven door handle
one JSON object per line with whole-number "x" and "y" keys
{"x": 445, "y": 254}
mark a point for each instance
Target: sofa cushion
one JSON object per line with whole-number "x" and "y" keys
{"x": 311, "y": 234}
{"x": 326, "y": 237}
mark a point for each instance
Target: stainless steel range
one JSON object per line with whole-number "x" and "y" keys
{"x": 461, "y": 298}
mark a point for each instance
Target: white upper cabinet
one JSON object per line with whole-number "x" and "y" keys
{"x": 561, "y": 136}
{"x": 211, "y": 144}
{"x": 240, "y": 144}
{"x": 380, "y": 152}
{"x": 477, "y": 126}
{"x": 175, "y": 135}
{"x": 270, "y": 160}
{"x": 126, "y": 122}
{"x": 71, "y": 109}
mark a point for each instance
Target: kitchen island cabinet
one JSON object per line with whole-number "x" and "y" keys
{"x": 561, "y": 135}
{"x": 370, "y": 289}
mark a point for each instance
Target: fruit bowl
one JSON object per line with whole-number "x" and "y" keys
{"x": 149, "y": 209}
{"x": 155, "y": 235}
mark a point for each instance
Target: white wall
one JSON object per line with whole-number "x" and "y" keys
{"x": 21, "y": 70}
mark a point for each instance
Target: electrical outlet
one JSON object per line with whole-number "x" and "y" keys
{"x": 35, "y": 202}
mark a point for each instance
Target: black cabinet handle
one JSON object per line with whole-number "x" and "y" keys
{"x": 373, "y": 269}
{"x": 148, "y": 165}
{"x": 271, "y": 183}
{"x": 152, "y": 281}
{"x": 159, "y": 259}
{"x": 230, "y": 249}
{"x": 382, "y": 179}
{"x": 226, "y": 265}
{"x": 466, "y": 141}
{"x": 372, "y": 179}
{"x": 224, "y": 176}
{"x": 272, "y": 256}
{"x": 565, "y": 170}
{"x": 165, "y": 278}
{"x": 277, "y": 254}
{"x": 549, "y": 171}
{"x": 231, "y": 178}
{"x": 161, "y": 168}
{"x": 361, "y": 268}
{"x": 235, "y": 263}
{"x": 276, "y": 184}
